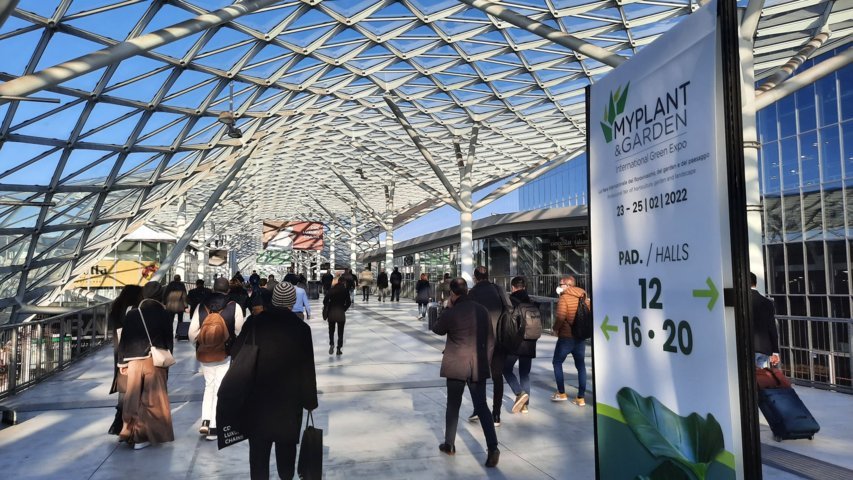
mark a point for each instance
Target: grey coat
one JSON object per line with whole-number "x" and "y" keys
{"x": 470, "y": 342}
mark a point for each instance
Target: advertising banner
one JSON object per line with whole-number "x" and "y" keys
{"x": 283, "y": 235}
{"x": 117, "y": 273}
{"x": 665, "y": 357}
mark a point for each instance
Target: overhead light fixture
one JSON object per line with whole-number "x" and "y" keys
{"x": 228, "y": 118}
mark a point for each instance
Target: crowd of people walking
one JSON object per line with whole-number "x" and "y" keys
{"x": 267, "y": 319}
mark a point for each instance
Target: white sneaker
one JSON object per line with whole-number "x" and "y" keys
{"x": 141, "y": 445}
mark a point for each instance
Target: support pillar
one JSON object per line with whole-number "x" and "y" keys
{"x": 334, "y": 229}
{"x": 353, "y": 245}
{"x": 389, "y": 228}
{"x": 750, "y": 162}
{"x": 466, "y": 228}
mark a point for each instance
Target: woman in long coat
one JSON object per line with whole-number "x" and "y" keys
{"x": 285, "y": 383}
{"x": 422, "y": 291}
{"x": 335, "y": 305}
{"x": 126, "y": 301}
{"x": 146, "y": 413}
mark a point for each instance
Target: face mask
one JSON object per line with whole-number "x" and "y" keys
{"x": 559, "y": 290}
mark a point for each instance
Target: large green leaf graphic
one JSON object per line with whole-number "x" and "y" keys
{"x": 691, "y": 442}
{"x": 608, "y": 133}
{"x": 611, "y": 111}
{"x": 620, "y": 102}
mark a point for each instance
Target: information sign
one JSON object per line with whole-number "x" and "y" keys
{"x": 665, "y": 361}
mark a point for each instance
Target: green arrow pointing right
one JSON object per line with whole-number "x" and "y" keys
{"x": 711, "y": 293}
{"x": 608, "y": 328}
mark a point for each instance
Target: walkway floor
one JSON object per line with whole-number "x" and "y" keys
{"x": 381, "y": 409}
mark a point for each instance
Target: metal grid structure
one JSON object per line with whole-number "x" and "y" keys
{"x": 146, "y": 124}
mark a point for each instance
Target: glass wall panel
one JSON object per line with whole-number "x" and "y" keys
{"x": 847, "y": 135}
{"x": 766, "y": 119}
{"x": 833, "y": 210}
{"x": 830, "y": 153}
{"x": 827, "y": 101}
{"x": 790, "y": 164}
{"x": 787, "y": 117}
{"x": 845, "y": 79}
{"x": 806, "y": 109}
{"x": 793, "y": 220}
{"x": 809, "y": 166}
{"x": 817, "y": 307}
{"x": 839, "y": 279}
{"x": 816, "y": 267}
{"x": 796, "y": 277}
{"x": 812, "y": 216}
{"x": 776, "y": 269}
{"x": 770, "y": 158}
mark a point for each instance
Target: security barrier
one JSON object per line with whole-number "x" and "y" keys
{"x": 32, "y": 351}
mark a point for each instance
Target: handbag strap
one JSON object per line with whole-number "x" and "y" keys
{"x": 145, "y": 326}
{"x": 309, "y": 418}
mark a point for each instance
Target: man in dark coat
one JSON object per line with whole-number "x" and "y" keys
{"x": 197, "y": 295}
{"x": 335, "y": 305}
{"x": 285, "y": 383}
{"x": 254, "y": 278}
{"x": 396, "y": 284}
{"x": 765, "y": 338}
{"x": 470, "y": 342}
{"x": 291, "y": 277}
{"x": 488, "y": 295}
{"x": 326, "y": 280}
{"x": 524, "y": 354}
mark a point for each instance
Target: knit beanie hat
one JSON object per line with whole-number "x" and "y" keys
{"x": 284, "y": 295}
{"x": 154, "y": 291}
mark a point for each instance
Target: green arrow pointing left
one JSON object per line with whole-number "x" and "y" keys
{"x": 711, "y": 293}
{"x": 608, "y": 328}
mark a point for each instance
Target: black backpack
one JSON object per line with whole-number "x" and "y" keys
{"x": 510, "y": 328}
{"x": 530, "y": 320}
{"x": 582, "y": 328}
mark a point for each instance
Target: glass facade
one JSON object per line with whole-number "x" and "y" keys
{"x": 565, "y": 186}
{"x": 806, "y": 175}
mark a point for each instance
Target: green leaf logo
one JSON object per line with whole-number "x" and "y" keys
{"x": 614, "y": 107}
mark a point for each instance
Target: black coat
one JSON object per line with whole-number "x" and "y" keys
{"x": 285, "y": 381}
{"x": 134, "y": 342}
{"x": 336, "y": 303}
{"x": 527, "y": 348}
{"x": 486, "y": 294}
{"x": 326, "y": 279}
{"x": 239, "y": 296}
{"x": 470, "y": 343}
{"x": 382, "y": 280}
{"x": 423, "y": 290}
{"x": 765, "y": 338}
{"x": 396, "y": 279}
{"x": 197, "y": 296}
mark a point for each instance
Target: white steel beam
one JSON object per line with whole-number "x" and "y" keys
{"x": 368, "y": 209}
{"x": 82, "y": 65}
{"x": 537, "y": 28}
{"x": 749, "y": 21}
{"x": 410, "y": 131}
{"x": 804, "y": 79}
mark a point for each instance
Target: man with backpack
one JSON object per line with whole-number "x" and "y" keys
{"x": 494, "y": 299}
{"x": 214, "y": 326}
{"x": 568, "y": 308}
{"x": 529, "y": 323}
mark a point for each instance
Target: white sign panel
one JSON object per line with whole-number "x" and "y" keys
{"x": 665, "y": 364}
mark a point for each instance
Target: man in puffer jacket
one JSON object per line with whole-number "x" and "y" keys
{"x": 567, "y": 307}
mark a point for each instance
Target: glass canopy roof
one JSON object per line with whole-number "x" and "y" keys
{"x": 141, "y": 140}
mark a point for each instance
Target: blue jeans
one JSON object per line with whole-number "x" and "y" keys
{"x": 564, "y": 347}
{"x": 524, "y": 364}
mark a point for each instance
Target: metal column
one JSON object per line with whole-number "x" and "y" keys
{"x": 466, "y": 228}
{"x": 353, "y": 245}
{"x": 750, "y": 162}
{"x": 333, "y": 228}
{"x": 389, "y": 228}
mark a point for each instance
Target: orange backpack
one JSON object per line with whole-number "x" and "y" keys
{"x": 213, "y": 336}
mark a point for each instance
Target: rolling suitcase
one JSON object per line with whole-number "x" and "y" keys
{"x": 787, "y": 415}
{"x": 182, "y": 332}
{"x": 433, "y": 312}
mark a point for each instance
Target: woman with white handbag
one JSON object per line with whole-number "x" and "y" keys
{"x": 145, "y": 354}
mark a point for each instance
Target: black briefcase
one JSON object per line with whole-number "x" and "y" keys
{"x": 310, "y": 465}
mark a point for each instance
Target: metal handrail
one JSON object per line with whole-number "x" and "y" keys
{"x": 816, "y": 351}
{"x": 32, "y": 351}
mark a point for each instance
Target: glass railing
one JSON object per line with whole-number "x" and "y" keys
{"x": 816, "y": 351}
{"x": 32, "y": 351}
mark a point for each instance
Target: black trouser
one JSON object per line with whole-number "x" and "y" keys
{"x": 498, "y": 359}
{"x": 455, "y": 388}
{"x": 365, "y": 293}
{"x": 340, "y": 333}
{"x": 395, "y": 293}
{"x": 180, "y": 320}
{"x": 259, "y": 459}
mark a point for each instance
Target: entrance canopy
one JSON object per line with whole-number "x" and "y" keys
{"x": 114, "y": 113}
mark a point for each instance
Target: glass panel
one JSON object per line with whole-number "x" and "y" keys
{"x": 847, "y": 132}
{"x": 827, "y": 100}
{"x": 806, "y": 109}
{"x": 771, "y": 165}
{"x": 838, "y": 268}
{"x": 790, "y": 164}
{"x": 766, "y": 119}
{"x": 839, "y": 307}
{"x": 816, "y": 267}
{"x": 833, "y": 210}
{"x": 817, "y": 307}
{"x": 793, "y": 220}
{"x": 812, "y": 216}
{"x": 809, "y": 167}
{"x": 787, "y": 117}
{"x": 798, "y": 306}
{"x": 776, "y": 268}
{"x": 830, "y": 153}
{"x": 845, "y": 79}
{"x": 796, "y": 278}
{"x": 780, "y": 305}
